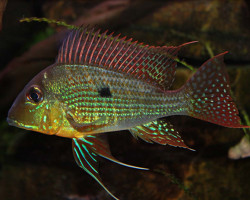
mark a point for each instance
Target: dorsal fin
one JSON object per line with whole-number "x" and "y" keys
{"x": 155, "y": 65}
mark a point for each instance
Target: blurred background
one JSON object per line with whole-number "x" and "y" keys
{"x": 36, "y": 166}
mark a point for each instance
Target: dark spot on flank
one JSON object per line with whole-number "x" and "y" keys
{"x": 104, "y": 92}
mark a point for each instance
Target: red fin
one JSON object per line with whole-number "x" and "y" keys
{"x": 159, "y": 131}
{"x": 155, "y": 65}
{"x": 209, "y": 93}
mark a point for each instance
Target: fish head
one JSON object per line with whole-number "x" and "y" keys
{"x": 36, "y": 108}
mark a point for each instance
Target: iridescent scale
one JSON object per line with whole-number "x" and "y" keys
{"x": 132, "y": 102}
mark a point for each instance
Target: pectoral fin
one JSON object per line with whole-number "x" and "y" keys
{"x": 86, "y": 151}
{"x": 159, "y": 131}
{"x": 87, "y": 127}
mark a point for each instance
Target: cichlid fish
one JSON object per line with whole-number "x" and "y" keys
{"x": 100, "y": 83}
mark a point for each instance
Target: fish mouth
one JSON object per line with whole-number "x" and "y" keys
{"x": 18, "y": 124}
{"x": 13, "y": 122}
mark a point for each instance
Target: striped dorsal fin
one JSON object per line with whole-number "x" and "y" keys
{"x": 155, "y": 65}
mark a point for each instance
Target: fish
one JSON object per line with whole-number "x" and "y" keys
{"x": 102, "y": 83}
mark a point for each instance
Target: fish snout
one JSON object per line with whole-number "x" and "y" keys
{"x": 11, "y": 116}
{"x": 20, "y": 114}
{"x": 10, "y": 121}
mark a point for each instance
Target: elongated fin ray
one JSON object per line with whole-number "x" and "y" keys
{"x": 155, "y": 65}
{"x": 87, "y": 160}
{"x": 159, "y": 131}
{"x": 208, "y": 92}
{"x": 100, "y": 146}
{"x": 86, "y": 152}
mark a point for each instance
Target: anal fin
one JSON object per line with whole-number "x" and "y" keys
{"x": 159, "y": 131}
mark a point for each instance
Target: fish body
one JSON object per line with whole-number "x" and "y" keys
{"x": 124, "y": 104}
{"x": 101, "y": 83}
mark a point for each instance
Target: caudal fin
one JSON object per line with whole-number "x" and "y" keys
{"x": 208, "y": 92}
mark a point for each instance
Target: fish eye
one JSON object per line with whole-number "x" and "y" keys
{"x": 34, "y": 94}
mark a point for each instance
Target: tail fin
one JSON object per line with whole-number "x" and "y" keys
{"x": 208, "y": 92}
